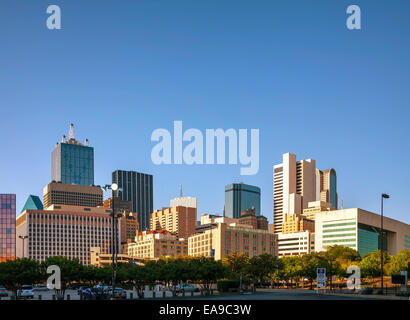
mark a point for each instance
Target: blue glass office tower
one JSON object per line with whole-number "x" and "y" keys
{"x": 240, "y": 197}
{"x": 72, "y": 162}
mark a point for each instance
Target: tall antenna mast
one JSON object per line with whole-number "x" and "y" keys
{"x": 71, "y": 134}
{"x": 180, "y": 190}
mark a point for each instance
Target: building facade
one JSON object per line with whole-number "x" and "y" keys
{"x": 240, "y": 197}
{"x": 326, "y": 187}
{"x": 294, "y": 186}
{"x": 249, "y": 217}
{"x": 68, "y": 231}
{"x": 221, "y": 239}
{"x": 72, "y": 162}
{"x": 138, "y": 188}
{"x": 191, "y": 202}
{"x": 180, "y": 221}
{"x": 7, "y": 227}
{"x": 360, "y": 230}
{"x": 297, "y": 223}
{"x": 69, "y": 194}
{"x": 129, "y": 220}
{"x": 156, "y": 243}
{"x": 296, "y": 244}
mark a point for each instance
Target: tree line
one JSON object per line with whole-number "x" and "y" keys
{"x": 170, "y": 271}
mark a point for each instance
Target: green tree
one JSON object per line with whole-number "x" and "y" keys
{"x": 370, "y": 265}
{"x": 261, "y": 267}
{"x": 71, "y": 271}
{"x": 310, "y": 263}
{"x": 292, "y": 269}
{"x": 18, "y": 272}
{"x": 398, "y": 263}
{"x": 237, "y": 265}
{"x": 207, "y": 271}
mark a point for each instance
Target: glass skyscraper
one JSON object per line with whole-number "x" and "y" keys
{"x": 138, "y": 188}
{"x": 72, "y": 162}
{"x": 240, "y": 197}
{"x": 7, "y": 227}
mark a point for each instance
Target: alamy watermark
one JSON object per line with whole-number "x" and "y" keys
{"x": 215, "y": 139}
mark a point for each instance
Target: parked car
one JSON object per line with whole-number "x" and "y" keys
{"x": 118, "y": 293}
{"x": 81, "y": 289}
{"x": 41, "y": 288}
{"x": 26, "y": 292}
{"x": 186, "y": 287}
{"x": 3, "y": 292}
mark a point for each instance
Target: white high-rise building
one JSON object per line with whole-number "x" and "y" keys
{"x": 294, "y": 186}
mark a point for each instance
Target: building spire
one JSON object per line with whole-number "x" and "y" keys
{"x": 71, "y": 134}
{"x": 180, "y": 190}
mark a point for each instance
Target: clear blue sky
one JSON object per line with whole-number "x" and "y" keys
{"x": 120, "y": 69}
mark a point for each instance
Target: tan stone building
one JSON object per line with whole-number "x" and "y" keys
{"x": 180, "y": 221}
{"x": 297, "y": 223}
{"x": 101, "y": 259}
{"x": 71, "y": 194}
{"x": 154, "y": 244}
{"x": 222, "y": 239}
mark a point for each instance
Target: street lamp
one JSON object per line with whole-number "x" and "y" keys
{"x": 113, "y": 187}
{"x": 23, "y": 238}
{"x": 384, "y": 196}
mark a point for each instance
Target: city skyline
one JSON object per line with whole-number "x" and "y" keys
{"x": 310, "y": 85}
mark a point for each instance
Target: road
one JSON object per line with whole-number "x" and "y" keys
{"x": 261, "y": 294}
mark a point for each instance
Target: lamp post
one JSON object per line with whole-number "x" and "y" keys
{"x": 113, "y": 187}
{"x": 384, "y": 196}
{"x": 23, "y": 238}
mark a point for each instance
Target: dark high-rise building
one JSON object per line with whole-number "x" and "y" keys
{"x": 240, "y": 197}
{"x": 138, "y": 188}
{"x": 7, "y": 227}
{"x": 72, "y": 162}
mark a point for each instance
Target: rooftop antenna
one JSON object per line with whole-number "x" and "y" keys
{"x": 71, "y": 134}
{"x": 180, "y": 190}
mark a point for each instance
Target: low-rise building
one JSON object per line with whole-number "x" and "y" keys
{"x": 101, "y": 259}
{"x": 360, "y": 229}
{"x": 156, "y": 243}
{"x": 222, "y": 239}
{"x": 297, "y": 243}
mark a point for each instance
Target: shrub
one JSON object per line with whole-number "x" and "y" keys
{"x": 366, "y": 291}
{"x": 403, "y": 294}
{"x": 227, "y": 285}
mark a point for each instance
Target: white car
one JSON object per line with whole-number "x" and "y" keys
{"x": 26, "y": 292}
